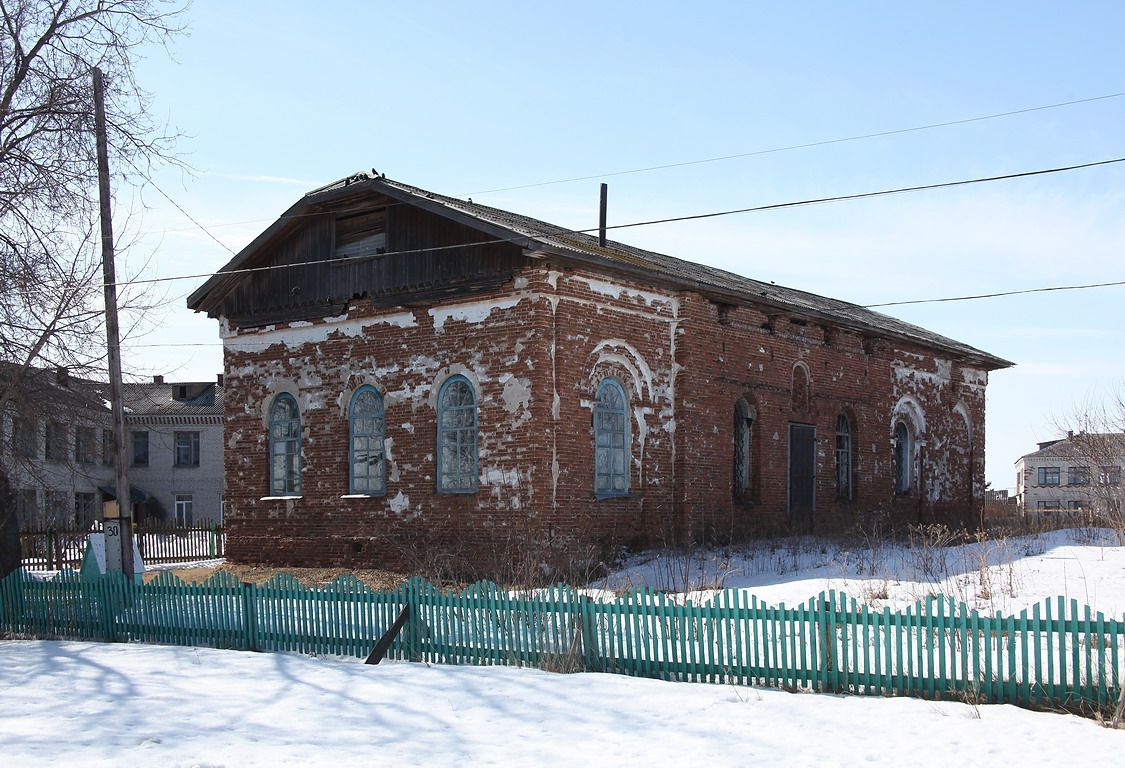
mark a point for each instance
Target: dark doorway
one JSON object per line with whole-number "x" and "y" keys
{"x": 802, "y": 477}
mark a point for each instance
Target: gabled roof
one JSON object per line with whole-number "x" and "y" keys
{"x": 157, "y": 399}
{"x": 542, "y": 238}
{"x": 52, "y": 391}
{"x": 1087, "y": 446}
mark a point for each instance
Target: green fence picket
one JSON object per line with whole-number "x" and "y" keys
{"x": 1052, "y": 654}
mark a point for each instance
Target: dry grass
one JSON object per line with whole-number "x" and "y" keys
{"x": 259, "y": 574}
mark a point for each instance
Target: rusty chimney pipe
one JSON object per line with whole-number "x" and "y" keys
{"x": 601, "y": 216}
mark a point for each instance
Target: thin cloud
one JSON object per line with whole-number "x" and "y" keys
{"x": 260, "y": 179}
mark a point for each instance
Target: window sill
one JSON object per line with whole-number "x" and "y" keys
{"x": 280, "y": 498}
{"x": 362, "y": 495}
{"x": 610, "y": 496}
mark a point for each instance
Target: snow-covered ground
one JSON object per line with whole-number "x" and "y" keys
{"x": 89, "y": 704}
{"x": 1005, "y": 575}
{"x": 69, "y": 703}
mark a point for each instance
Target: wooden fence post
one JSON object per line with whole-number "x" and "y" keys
{"x": 249, "y": 617}
{"x": 826, "y": 616}
{"x": 591, "y": 655}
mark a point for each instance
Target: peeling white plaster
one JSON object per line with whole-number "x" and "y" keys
{"x": 400, "y": 503}
{"x": 499, "y": 477}
{"x": 473, "y": 312}
{"x": 301, "y": 332}
{"x": 553, "y": 278}
{"x": 408, "y": 428}
{"x": 634, "y": 362}
{"x": 520, "y": 282}
{"x": 389, "y": 458}
{"x": 516, "y": 394}
{"x": 399, "y": 320}
{"x": 975, "y": 377}
{"x": 616, "y": 291}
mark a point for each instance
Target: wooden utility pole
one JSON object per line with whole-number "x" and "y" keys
{"x": 117, "y": 523}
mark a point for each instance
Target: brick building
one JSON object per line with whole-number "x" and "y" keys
{"x": 411, "y": 375}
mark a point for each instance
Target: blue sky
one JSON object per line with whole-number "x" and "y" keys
{"x": 275, "y": 98}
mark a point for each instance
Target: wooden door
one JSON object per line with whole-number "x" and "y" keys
{"x": 802, "y": 477}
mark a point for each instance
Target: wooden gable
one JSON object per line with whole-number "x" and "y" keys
{"x": 390, "y": 252}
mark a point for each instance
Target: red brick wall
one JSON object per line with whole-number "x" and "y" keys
{"x": 536, "y": 351}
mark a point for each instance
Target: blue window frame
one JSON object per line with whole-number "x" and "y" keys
{"x": 285, "y": 446}
{"x": 611, "y": 440}
{"x": 457, "y": 437}
{"x": 844, "y": 489}
{"x": 904, "y": 459}
{"x": 366, "y": 429}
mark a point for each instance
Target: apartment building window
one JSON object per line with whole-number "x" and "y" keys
{"x": 1078, "y": 476}
{"x": 107, "y": 447}
{"x": 184, "y": 511}
{"x": 187, "y": 449}
{"x": 1048, "y": 505}
{"x": 56, "y": 507}
{"x": 84, "y": 509}
{"x": 1076, "y": 504}
{"x": 56, "y": 441}
{"x": 1048, "y": 476}
{"x": 27, "y": 508}
{"x": 140, "y": 449}
{"x": 84, "y": 445}
{"x": 24, "y": 442}
{"x": 1110, "y": 475}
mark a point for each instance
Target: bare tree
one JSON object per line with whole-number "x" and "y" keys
{"x": 50, "y": 299}
{"x": 1095, "y": 445}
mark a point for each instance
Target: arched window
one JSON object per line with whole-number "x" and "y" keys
{"x": 801, "y": 388}
{"x": 904, "y": 459}
{"x": 285, "y": 446}
{"x": 366, "y": 430}
{"x": 611, "y": 440}
{"x": 844, "y": 474}
{"x": 457, "y": 437}
{"x": 744, "y": 416}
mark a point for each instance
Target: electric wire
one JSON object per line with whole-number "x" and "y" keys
{"x": 554, "y": 233}
{"x": 738, "y": 155}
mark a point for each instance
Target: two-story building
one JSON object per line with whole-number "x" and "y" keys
{"x": 57, "y": 446}
{"x": 1078, "y": 473}
{"x": 175, "y": 449}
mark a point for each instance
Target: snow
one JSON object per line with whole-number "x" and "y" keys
{"x": 70, "y": 703}
{"x": 108, "y": 705}
{"x": 1005, "y": 574}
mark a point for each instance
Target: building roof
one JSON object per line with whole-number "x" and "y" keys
{"x": 46, "y": 390}
{"x": 1086, "y": 446}
{"x": 543, "y": 238}
{"x": 161, "y": 399}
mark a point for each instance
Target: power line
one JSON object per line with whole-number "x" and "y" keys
{"x": 806, "y": 145}
{"x": 523, "y": 238}
{"x": 245, "y": 342}
{"x": 178, "y": 207}
{"x": 996, "y": 295}
{"x": 720, "y": 158}
{"x": 863, "y": 195}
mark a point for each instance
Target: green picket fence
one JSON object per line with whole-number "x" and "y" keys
{"x": 1056, "y": 654}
